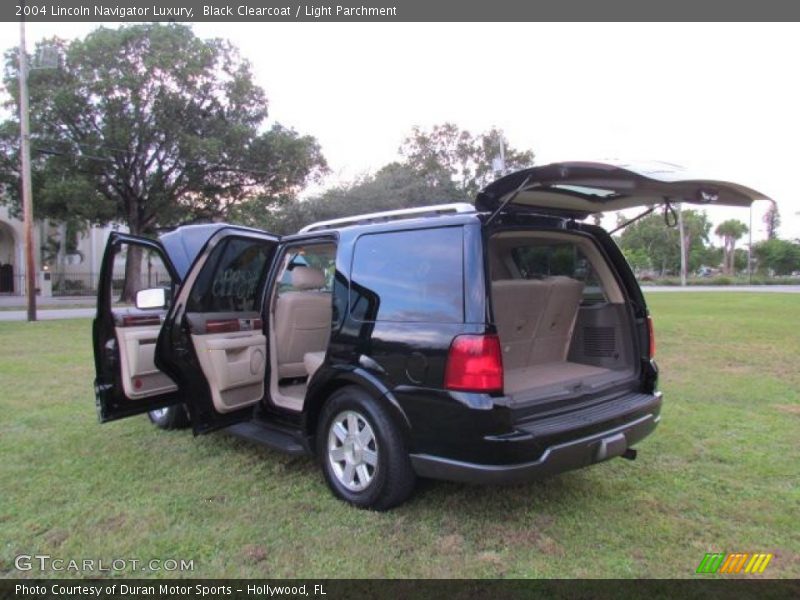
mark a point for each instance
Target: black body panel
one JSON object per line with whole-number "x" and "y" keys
{"x": 578, "y": 446}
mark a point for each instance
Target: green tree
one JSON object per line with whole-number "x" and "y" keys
{"x": 446, "y": 165}
{"x": 651, "y": 236}
{"x": 696, "y": 228}
{"x": 772, "y": 220}
{"x": 709, "y": 256}
{"x": 638, "y": 260}
{"x": 393, "y": 187}
{"x": 781, "y": 257}
{"x": 730, "y": 231}
{"x": 739, "y": 260}
{"x": 449, "y": 154}
{"x": 150, "y": 126}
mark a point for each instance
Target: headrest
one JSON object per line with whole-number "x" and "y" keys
{"x": 307, "y": 278}
{"x": 564, "y": 280}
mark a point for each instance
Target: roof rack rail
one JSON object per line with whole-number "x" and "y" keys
{"x": 390, "y": 215}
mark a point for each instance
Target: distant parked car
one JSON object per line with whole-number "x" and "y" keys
{"x": 491, "y": 343}
{"x": 705, "y": 271}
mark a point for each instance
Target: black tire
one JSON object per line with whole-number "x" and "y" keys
{"x": 172, "y": 417}
{"x": 393, "y": 478}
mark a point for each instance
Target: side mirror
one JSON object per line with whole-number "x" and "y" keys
{"x": 152, "y": 298}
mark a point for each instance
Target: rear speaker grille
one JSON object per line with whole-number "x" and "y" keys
{"x": 599, "y": 341}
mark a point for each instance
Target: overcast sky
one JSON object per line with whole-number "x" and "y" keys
{"x": 720, "y": 99}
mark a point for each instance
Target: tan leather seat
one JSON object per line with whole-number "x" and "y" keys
{"x": 535, "y": 318}
{"x": 313, "y": 361}
{"x": 302, "y": 321}
{"x": 518, "y": 307}
{"x": 554, "y": 330}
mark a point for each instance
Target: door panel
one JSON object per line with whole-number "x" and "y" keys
{"x": 127, "y": 380}
{"x": 140, "y": 377}
{"x": 232, "y": 355}
{"x": 213, "y": 341}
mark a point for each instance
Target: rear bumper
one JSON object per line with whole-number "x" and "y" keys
{"x": 565, "y": 456}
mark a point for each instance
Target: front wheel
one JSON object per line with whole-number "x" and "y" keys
{"x": 169, "y": 417}
{"x": 363, "y": 456}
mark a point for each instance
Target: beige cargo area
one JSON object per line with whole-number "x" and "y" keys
{"x": 559, "y": 314}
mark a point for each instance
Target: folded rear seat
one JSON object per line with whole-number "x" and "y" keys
{"x": 535, "y": 319}
{"x": 554, "y": 331}
{"x": 518, "y": 307}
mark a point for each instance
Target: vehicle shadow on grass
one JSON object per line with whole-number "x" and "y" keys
{"x": 479, "y": 501}
{"x": 544, "y": 494}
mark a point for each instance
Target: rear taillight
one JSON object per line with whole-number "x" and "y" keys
{"x": 474, "y": 364}
{"x": 652, "y": 336}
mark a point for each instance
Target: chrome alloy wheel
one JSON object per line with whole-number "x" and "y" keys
{"x": 352, "y": 450}
{"x": 159, "y": 413}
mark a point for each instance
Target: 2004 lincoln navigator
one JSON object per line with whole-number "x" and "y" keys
{"x": 490, "y": 343}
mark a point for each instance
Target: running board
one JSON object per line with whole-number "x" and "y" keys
{"x": 268, "y": 435}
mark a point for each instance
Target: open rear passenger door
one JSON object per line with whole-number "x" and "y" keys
{"x": 212, "y": 343}
{"x": 137, "y": 282}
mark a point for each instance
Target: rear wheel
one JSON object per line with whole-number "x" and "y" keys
{"x": 169, "y": 417}
{"x": 363, "y": 456}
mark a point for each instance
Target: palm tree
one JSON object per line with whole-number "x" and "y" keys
{"x": 730, "y": 231}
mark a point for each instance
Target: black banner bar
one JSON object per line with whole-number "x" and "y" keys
{"x": 398, "y": 10}
{"x": 410, "y": 589}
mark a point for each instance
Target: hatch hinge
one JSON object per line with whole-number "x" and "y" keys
{"x": 508, "y": 200}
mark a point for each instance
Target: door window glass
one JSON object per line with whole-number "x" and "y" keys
{"x": 137, "y": 268}
{"x": 321, "y": 257}
{"x": 232, "y": 276}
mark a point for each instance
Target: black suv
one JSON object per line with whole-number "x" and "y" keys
{"x": 490, "y": 343}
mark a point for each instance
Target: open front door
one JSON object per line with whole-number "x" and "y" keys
{"x": 213, "y": 343}
{"x": 124, "y": 335}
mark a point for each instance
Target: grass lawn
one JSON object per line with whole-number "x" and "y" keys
{"x": 720, "y": 474}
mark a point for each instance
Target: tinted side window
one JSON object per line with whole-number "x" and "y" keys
{"x": 409, "y": 276}
{"x": 231, "y": 279}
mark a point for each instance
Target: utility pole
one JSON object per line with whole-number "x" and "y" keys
{"x": 750, "y": 249}
{"x": 499, "y": 162}
{"x": 25, "y": 153}
{"x": 502, "y": 156}
{"x": 682, "y": 235}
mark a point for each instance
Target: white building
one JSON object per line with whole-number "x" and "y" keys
{"x": 56, "y": 271}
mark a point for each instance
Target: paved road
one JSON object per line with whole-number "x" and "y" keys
{"x": 55, "y": 302}
{"x": 785, "y": 289}
{"x": 48, "y": 314}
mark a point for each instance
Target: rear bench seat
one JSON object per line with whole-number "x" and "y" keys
{"x": 535, "y": 318}
{"x": 518, "y": 308}
{"x": 554, "y": 332}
